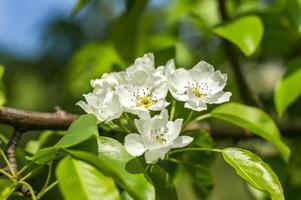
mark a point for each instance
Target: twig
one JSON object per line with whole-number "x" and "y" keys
{"x": 27, "y": 120}
{"x": 244, "y": 90}
{"x": 11, "y": 151}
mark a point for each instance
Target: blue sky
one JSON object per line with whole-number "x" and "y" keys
{"x": 22, "y": 23}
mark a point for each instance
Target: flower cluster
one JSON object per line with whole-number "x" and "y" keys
{"x": 142, "y": 88}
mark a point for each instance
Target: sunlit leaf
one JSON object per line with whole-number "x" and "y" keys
{"x": 114, "y": 161}
{"x": 257, "y": 173}
{"x": 79, "y": 180}
{"x": 245, "y": 32}
{"x": 288, "y": 88}
{"x": 254, "y": 120}
{"x": 6, "y": 188}
{"x": 80, "y": 130}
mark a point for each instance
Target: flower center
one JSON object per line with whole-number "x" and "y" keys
{"x": 159, "y": 136}
{"x": 197, "y": 92}
{"x": 145, "y": 101}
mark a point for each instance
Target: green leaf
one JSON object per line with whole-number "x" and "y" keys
{"x": 127, "y": 171}
{"x": 165, "y": 188}
{"x": 79, "y": 180}
{"x": 245, "y": 32}
{"x": 44, "y": 155}
{"x": 80, "y": 130}
{"x": 2, "y": 87}
{"x": 254, "y": 120}
{"x": 90, "y": 62}
{"x": 125, "y": 31}
{"x": 7, "y": 187}
{"x": 256, "y": 172}
{"x": 288, "y": 88}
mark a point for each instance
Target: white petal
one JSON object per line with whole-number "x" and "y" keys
{"x": 126, "y": 98}
{"x": 159, "y": 105}
{"x": 219, "y": 97}
{"x": 152, "y": 156}
{"x": 179, "y": 80}
{"x": 170, "y": 67}
{"x": 177, "y": 95}
{"x": 196, "y": 105}
{"x": 85, "y": 106}
{"x": 159, "y": 121}
{"x": 217, "y": 81}
{"x": 143, "y": 124}
{"x": 182, "y": 141}
{"x": 134, "y": 144}
{"x": 174, "y": 128}
{"x": 201, "y": 71}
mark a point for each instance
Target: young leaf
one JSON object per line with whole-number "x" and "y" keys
{"x": 127, "y": 171}
{"x": 7, "y": 187}
{"x": 80, "y": 130}
{"x": 165, "y": 189}
{"x": 257, "y": 173}
{"x": 79, "y": 180}
{"x": 254, "y": 120}
{"x": 288, "y": 88}
{"x": 245, "y": 32}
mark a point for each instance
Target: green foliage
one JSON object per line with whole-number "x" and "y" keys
{"x": 114, "y": 161}
{"x": 7, "y": 187}
{"x": 82, "y": 129}
{"x": 245, "y": 32}
{"x": 125, "y": 33}
{"x": 254, "y": 120}
{"x": 79, "y": 180}
{"x": 288, "y": 88}
{"x": 165, "y": 188}
{"x": 90, "y": 62}
{"x": 257, "y": 173}
{"x": 2, "y": 87}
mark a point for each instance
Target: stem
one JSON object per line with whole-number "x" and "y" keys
{"x": 6, "y": 161}
{"x": 172, "y": 110}
{"x": 47, "y": 180}
{"x": 244, "y": 90}
{"x": 47, "y": 189}
{"x": 11, "y": 151}
{"x": 33, "y": 196}
{"x": 202, "y": 117}
{"x": 130, "y": 120}
{"x": 7, "y": 174}
{"x": 194, "y": 149}
{"x": 188, "y": 119}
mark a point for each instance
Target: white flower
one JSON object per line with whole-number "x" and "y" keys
{"x": 157, "y": 136}
{"x": 103, "y": 102}
{"x": 198, "y": 86}
{"x": 144, "y": 87}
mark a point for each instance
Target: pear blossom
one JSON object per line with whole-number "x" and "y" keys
{"x": 144, "y": 87}
{"x": 198, "y": 86}
{"x": 103, "y": 102}
{"x": 156, "y": 136}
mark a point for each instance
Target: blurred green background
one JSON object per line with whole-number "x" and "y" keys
{"x": 51, "y": 49}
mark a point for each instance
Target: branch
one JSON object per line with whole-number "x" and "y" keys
{"x": 11, "y": 151}
{"x": 244, "y": 90}
{"x": 27, "y": 120}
